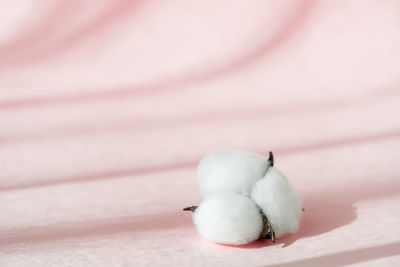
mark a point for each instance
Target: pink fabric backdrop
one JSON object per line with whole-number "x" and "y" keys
{"x": 107, "y": 106}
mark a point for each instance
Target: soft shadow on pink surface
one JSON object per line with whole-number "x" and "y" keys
{"x": 347, "y": 257}
{"x": 287, "y": 29}
{"x": 130, "y": 225}
{"x": 191, "y": 163}
{"x": 332, "y": 208}
{"x": 33, "y": 44}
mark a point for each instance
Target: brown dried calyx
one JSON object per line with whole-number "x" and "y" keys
{"x": 267, "y": 232}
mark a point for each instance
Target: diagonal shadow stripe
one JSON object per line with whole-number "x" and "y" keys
{"x": 347, "y": 257}
{"x": 87, "y": 229}
{"x": 188, "y": 164}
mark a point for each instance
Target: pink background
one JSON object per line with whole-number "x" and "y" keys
{"x": 106, "y": 107}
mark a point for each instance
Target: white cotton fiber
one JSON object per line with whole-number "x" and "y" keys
{"x": 226, "y": 170}
{"x": 278, "y": 201}
{"x": 228, "y": 218}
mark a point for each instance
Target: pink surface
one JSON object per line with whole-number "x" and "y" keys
{"x": 107, "y": 106}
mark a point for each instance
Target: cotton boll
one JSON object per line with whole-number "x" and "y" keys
{"x": 278, "y": 201}
{"x": 226, "y": 170}
{"x": 228, "y": 218}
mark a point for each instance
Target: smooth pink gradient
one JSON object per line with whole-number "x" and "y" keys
{"x": 106, "y": 107}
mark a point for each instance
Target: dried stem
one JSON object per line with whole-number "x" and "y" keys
{"x": 271, "y": 159}
{"x": 192, "y": 208}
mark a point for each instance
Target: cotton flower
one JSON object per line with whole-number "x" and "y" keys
{"x": 245, "y": 198}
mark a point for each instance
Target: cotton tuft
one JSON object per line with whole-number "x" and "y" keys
{"x": 226, "y": 170}
{"x": 278, "y": 201}
{"x": 228, "y": 218}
